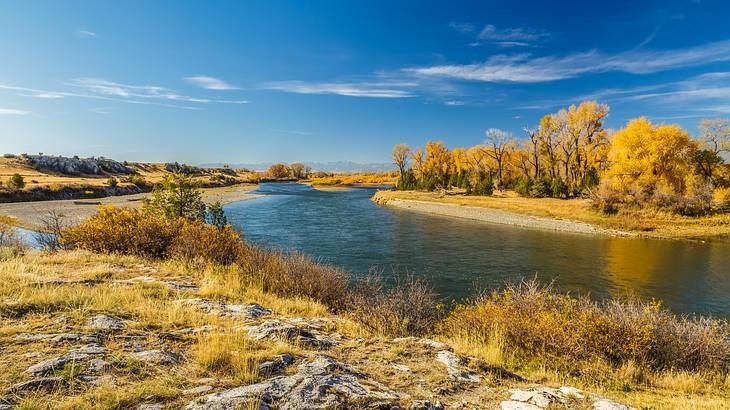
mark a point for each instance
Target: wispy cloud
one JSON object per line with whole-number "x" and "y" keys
{"x": 524, "y": 68}
{"x": 103, "y": 111}
{"x": 13, "y": 111}
{"x": 453, "y": 102}
{"x": 85, "y": 33}
{"x": 101, "y": 89}
{"x": 520, "y": 34}
{"x": 360, "y": 89}
{"x": 461, "y": 27}
{"x": 210, "y": 83}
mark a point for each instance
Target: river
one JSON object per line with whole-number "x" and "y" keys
{"x": 457, "y": 256}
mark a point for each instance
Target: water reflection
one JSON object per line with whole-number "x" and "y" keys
{"x": 345, "y": 228}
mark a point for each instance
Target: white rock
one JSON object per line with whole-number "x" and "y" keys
{"x": 157, "y": 356}
{"x": 517, "y": 405}
{"x": 607, "y": 404}
{"x": 455, "y": 365}
{"x": 105, "y": 322}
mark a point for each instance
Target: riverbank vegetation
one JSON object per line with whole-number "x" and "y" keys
{"x": 645, "y": 222}
{"x": 571, "y": 155}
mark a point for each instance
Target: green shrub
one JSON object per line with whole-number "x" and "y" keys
{"x": 112, "y": 182}
{"x": 177, "y": 196}
{"x": 216, "y": 216}
{"x": 16, "y": 181}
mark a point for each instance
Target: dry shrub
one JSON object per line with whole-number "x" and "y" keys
{"x": 10, "y": 243}
{"x": 407, "y": 308}
{"x": 561, "y": 330}
{"x": 197, "y": 241}
{"x": 295, "y": 274}
{"x": 124, "y": 231}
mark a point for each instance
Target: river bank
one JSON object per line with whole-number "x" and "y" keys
{"x": 574, "y": 215}
{"x": 111, "y": 331}
{"x": 30, "y": 214}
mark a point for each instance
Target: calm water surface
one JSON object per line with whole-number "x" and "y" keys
{"x": 345, "y": 228}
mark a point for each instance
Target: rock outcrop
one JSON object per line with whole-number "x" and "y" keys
{"x": 79, "y": 166}
{"x": 320, "y": 383}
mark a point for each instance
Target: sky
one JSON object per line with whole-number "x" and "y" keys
{"x": 264, "y": 81}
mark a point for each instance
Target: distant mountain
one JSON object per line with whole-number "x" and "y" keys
{"x": 337, "y": 166}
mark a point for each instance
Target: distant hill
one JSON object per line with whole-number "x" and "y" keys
{"x": 337, "y": 166}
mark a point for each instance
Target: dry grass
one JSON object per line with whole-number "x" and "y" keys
{"x": 344, "y": 180}
{"x": 231, "y": 358}
{"x": 38, "y": 294}
{"x": 236, "y": 356}
{"x": 645, "y": 222}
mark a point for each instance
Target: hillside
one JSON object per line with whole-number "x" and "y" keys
{"x": 80, "y": 330}
{"x": 53, "y": 177}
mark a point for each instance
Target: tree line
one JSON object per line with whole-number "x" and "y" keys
{"x": 571, "y": 154}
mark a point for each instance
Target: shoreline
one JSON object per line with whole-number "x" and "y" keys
{"x": 28, "y": 214}
{"x": 500, "y": 217}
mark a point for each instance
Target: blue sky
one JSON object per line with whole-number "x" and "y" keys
{"x": 333, "y": 80}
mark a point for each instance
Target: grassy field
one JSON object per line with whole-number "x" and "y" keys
{"x": 343, "y": 181}
{"x": 648, "y": 223}
{"x": 57, "y": 293}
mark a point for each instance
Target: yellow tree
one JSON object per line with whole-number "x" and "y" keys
{"x": 461, "y": 162}
{"x": 584, "y": 126}
{"x": 646, "y": 158}
{"x": 550, "y": 129}
{"x": 417, "y": 166}
{"x": 438, "y": 161}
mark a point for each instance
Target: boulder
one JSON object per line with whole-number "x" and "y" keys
{"x": 42, "y": 383}
{"x": 275, "y": 365}
{"x": 287, "y": 332}
{"x": 105, "y": 322}
{"x": 322, "y": 382}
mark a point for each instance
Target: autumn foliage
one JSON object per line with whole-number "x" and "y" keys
{"x": 571, "y": 154}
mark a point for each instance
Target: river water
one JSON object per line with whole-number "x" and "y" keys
{"x": 457, "y": 256}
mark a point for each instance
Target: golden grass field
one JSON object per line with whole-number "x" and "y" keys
{"x": 41, "y": 293}
{"x": 644, "y": 222}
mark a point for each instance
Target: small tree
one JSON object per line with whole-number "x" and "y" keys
{"x": 16, "y": 182}
{"x": 177, "y": 196}
{"x": 298, "y": 170}
{"x": 279, "y": 171}
{"x": 216, "y": 215}
{"x": 112, "y": 182}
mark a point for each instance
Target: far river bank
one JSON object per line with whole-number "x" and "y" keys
{"x": 30, "y": 214}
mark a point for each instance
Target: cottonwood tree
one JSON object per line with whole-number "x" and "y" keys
{"x": 279, "y": 171}
{"x": 532, "y": 149}
{"x": 298, "y": 170}
{"x": 401, "y": 154}
{"x": 501, "y": 145}
{"x": 715, "y": 134}
{"x": 647, "y": 158}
